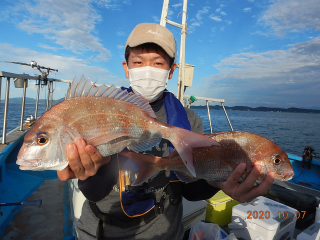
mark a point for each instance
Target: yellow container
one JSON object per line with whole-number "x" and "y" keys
{"x": 219, "y": 208}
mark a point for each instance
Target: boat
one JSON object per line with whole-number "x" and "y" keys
{"x": 21, "y": 191}
{"x": 62, "y": 201}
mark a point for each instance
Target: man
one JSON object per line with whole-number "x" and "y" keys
{"x": 308, "y": 154}
{"x": 150, "y": 53}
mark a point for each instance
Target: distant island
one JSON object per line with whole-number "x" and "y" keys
{"x": 259, "y": 109}
{"x": 29, "y": 100}
{"x": 216, "y": 107}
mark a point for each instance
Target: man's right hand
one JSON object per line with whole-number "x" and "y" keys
{"x": 84, "y": 161}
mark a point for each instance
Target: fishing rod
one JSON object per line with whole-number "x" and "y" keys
{"x": 44, "y": 74}
{"x": 37, "y": 202}
{"x": 33, "y": 64}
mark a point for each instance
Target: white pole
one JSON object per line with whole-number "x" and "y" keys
{"x": 164, "y": 13}
{"x": 182, "y": 52}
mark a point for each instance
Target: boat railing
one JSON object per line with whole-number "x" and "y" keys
{"x": 22, "y": 83}
{"x": 23, "y": 78}
{"x": 191, "y": 99}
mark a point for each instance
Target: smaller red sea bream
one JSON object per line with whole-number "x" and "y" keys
{"x": 106, "y": 117}
{"x": 216, "y": 163}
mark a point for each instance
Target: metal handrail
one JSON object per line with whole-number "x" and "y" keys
{"x": 23, "y": 103}
{"x": 5, "y": 112}
{"x": 26, "y": 77}
{"x": 208, "y": 108}
{"x": 50, "y": 96}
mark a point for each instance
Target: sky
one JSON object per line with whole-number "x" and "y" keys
{"x": 248, "y": 52}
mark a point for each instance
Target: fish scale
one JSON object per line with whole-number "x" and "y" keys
{"x": 108, "y": 118}
{"x": 216, "y": 163}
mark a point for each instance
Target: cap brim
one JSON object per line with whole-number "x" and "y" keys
{"x": 151, "y": 40}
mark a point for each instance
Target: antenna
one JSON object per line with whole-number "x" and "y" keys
{"x": 183, "y": 27}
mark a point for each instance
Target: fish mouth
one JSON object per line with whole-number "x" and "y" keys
{"x": 288, "y": 176}
{"x": 27, "y": 164}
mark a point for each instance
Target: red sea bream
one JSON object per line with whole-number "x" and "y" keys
{"x": 216, "y": 163}
{"x": 106, "y": 117}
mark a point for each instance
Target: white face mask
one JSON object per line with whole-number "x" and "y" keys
{"x": 149, "y": 82}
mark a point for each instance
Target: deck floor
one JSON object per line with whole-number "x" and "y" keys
{"x": 45, "y": 222}
{"x": 11, "y": 137}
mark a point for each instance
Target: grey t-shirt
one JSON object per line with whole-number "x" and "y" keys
{"x": 167, "y": 225}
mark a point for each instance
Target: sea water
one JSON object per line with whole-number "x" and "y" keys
{"x": 291, "y": 131}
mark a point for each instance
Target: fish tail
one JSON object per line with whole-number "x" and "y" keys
{"x": 149, "y": 165}
{"x": 184, "y": 142}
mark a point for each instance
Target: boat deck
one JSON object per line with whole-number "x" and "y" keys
{"x": 51, "y": 220}
{"x": 11, "y": 137}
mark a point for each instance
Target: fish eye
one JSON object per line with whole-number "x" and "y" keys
{"x": 276, "y": 160}
{"x": 42, "y": 139}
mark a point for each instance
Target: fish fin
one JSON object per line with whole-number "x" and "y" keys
{"x": 145, "y": 145}
{"x": 67, "y": 94}
{"x": 186, "y": 177}
{"x": 108, "y": 91}
{"x": 148, "y": 166}
{"x": 88, "y": 88}
{"x": 72, "y": 87}
{"x": 93, "y": 88}
{"x": 99, "y": 91}
{"x": 185, "y": 141}
{"x": 80, "y": 87}
{"x": 173, "y": 154}
{"x": 105, "y": 138}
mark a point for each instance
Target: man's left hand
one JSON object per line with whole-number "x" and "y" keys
{"x": 245, "y": 191}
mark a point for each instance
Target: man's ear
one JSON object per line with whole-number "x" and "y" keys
{"x": 173, "y": 67}
{"x": 125, "y": 67}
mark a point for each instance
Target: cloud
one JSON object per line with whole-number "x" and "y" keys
{"x": 170, "y": 13}
{"x": 156, "y": 19}
{"x": 195, "y": 22}
{"x": 215, "y": 18}
{"x": 68, "y": 67}
{"x": 112, "y": 4}
{"x": 47, "y": 47}
{"x": 177, "y": 5}
{"x": 223, "y": 13}
{"x": 271, "y": 76}
{"x": 70, "y": 24}
{"x": 247, "y": 9}
{"x": 284, "y": 16}
{"x": 121, "y": 33}
{"x": 204, "y": 10}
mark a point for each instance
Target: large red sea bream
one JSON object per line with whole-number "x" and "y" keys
{"x": 216, "y": 163}
{"x": 106, "y": 117}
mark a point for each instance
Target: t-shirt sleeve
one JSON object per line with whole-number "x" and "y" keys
{"x": 195, "y": 121}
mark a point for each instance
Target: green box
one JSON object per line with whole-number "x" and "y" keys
{"x": 219, "y": 208}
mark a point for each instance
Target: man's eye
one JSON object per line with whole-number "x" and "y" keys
{"x": 158, "y": 63}
{"x": 137, "y": 62}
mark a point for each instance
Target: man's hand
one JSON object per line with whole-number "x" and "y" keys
{"x": 245, "y": 191}
{"x": 84, "y": 161}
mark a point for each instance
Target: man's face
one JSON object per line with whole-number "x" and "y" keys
{"x": 141, "y": 58}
